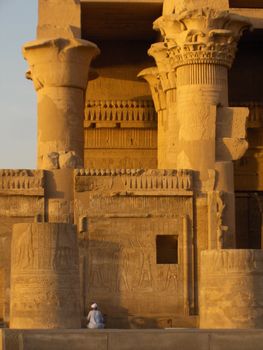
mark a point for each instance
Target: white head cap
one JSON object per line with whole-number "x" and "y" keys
{"x": 94, "y": 306}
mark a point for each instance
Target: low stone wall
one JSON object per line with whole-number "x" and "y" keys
{"x": 231, "y": 289}
{"x": 172, "y": 339}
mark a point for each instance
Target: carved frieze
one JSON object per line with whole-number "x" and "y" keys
{"x": 120, "y": 113}
{"x": 21, "y": 182}
{"x": 129, "y": 182}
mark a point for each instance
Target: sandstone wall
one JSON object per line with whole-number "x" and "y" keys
{"x": 120, "y": 217}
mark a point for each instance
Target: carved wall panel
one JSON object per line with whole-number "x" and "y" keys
{"x": 123, "y": 274}
{"x": 119, "y": 217}
{"x": 121, "y": 158}
{"x": 127, "y": 147}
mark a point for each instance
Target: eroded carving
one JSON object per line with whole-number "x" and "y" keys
{"x": 21, "y": 181}
{"x": 44, "y": 276}
{"x": 202, "y": 35}
{"x": 133, "y": 181}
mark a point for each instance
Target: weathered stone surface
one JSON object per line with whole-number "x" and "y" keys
{"x": 59, "y": 18}
{"x": 121, "y": 215}
{"x": 59, "y": 68}
{"x": 230, "y": 289}
{"x": 182, "y": 5}
{"x": 141, "y": 232}
{"x": 44, "y": 276}
{"x": 177, "y": 339}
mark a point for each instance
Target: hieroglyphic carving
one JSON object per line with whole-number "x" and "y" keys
{"x": 240, "y": 260}
{"x": 123, "y": 266}
{"x": 21, "y": 206}
{"x": 136, "y": 206}
{"x": 44, "y": 276}
{"x": 230, "y": 288}
{"x": 21, "y": 181}
{"x": 130, "y": 256}
{"x": 111, "y": 138}
{"x": 122, "y": 113}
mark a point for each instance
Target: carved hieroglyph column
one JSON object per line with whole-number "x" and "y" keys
{"x": 59, "y": 68}
{"x": 199, "y": 46}
{"x": 231, "y": 289}
{"x": 45, "y": 290}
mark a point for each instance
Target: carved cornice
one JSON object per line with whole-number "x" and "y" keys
{"x": 118, "y": 182}
{"x": 59, "y": 62}
{"x": 201, "y": 36}
{"x": 122, "y": 113}
{"x": 21, "y": 182}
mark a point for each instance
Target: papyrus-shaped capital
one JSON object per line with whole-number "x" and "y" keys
{"x": 60, "y": 62}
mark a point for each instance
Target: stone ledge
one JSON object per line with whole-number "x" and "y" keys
{"x": 168, "y": 339}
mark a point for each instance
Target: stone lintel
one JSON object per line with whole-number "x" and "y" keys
{"x": 59, "y": 18}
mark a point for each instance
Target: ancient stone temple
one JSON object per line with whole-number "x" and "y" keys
{"x": 147, "y": 197}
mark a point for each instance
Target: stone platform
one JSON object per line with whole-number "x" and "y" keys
{"x": 170, "y": 339}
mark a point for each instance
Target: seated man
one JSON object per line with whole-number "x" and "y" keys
{"x": 95, "y": 318}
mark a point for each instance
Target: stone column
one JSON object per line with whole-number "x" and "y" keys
{"x": 59, "y": 68}
{"x": 162, "y": 81}
{"x": 231, "y": 289}
{"x": 200, "y": 45}
{"x": 45, "y": 290}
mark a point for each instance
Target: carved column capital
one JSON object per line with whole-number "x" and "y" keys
{"x": 201, "y": 36}
{"x": 59, "y": 62}
{"x": 166, "y": 73}
{"x": 152, "y": 76}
